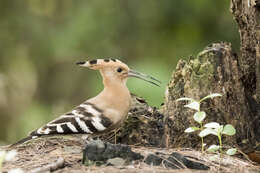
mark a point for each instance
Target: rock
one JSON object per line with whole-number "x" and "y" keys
{"x": 98, "y": 150}
{"x": 174, "y": 161}
{"x": 154, "y": 160}
{"x": 93, "y": 150}
{"x": 178, "y": 160}
{"x": 116, "y": 161}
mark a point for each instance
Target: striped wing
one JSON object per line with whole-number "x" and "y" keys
{"x": 86, "y": 118}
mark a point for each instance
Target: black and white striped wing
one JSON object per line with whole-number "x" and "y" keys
{"x": 86, "y": 118}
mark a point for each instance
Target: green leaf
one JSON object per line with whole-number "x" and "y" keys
{"x": 211, "y": 96}
{"x": 213, "y": 125}
{"x": 213, "y": 148}
{"x": 206, "y": 132}
{"x": 191, "y": 129}
{"x": 229, "y": 130}
{"x": 231, "y": 151}
{"x": 184, "y": 99}
{"x": 220, "y": 129}
{"x": 199, "y": 116}
{"x": 193, "y": 105}
{"x": 214, "y": 158}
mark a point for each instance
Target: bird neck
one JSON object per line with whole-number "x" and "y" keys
{"x": 116, "y": 89}
{"x": 117, "y": 92}
{"x": 114, "y": 83}
{"x": 114, "y": 100}
{"x": 115, "y": 95}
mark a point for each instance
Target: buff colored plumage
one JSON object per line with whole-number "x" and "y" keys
{"x": 104, "y": 112}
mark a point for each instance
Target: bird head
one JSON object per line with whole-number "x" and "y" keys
{"x": 113, "y": 70}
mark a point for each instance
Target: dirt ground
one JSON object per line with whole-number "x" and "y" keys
{"x": 64, "y": 154}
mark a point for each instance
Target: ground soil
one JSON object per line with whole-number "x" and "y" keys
{"x": 39, "y": 153}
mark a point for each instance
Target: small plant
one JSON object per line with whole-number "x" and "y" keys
{"x": 199, "y": 115}
{"x": 218, "y": 130}
{"x": 209, "y": 128}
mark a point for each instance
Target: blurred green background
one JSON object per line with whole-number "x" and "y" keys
{"x": 40, "y": 41}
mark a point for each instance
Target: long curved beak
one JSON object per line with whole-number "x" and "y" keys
{"x": 145, "y": 77}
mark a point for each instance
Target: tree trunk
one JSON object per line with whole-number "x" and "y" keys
{"x": 218, "y": 70}
{"x": 247, "y": 15}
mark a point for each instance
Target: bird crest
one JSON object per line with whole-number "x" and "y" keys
{"x": 97, "y": 64}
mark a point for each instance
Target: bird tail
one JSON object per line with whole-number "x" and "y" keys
{"x": 23, "y": 140}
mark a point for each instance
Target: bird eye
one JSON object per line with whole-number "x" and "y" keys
{"x": 119, "y": 70}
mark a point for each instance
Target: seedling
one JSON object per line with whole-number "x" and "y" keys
{"x": 209, "y": 128}
{"x": 218, "y": 130}
{"x": 199, "y": 115}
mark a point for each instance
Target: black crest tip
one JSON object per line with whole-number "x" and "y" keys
{"x": 80, "y": 63}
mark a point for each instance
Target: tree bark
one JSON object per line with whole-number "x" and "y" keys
{"x": 247, "y": 15}
{"x": 218, "y": 70}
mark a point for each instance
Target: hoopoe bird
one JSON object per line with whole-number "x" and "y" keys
{"x": 102, "y": 113}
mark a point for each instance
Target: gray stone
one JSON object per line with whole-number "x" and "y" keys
{"x": 98, "y": 150}
{"x": 116, "y": 161}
